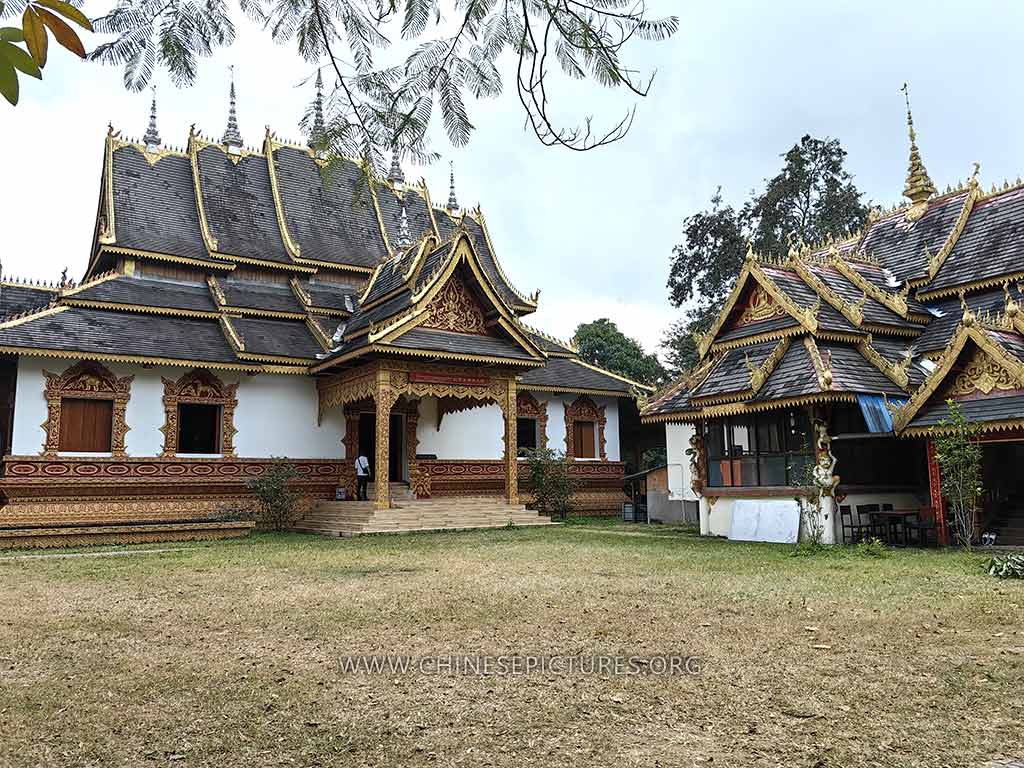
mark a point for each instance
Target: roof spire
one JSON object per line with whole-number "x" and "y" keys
{"x": 453, "y": 201}
{"x": 396, "y": 175}
{"x": 318, "y": 132}
{"x": 232, "y": 137}
{"x": 152, "y": 137}
{"x": 919, "y": 184}
{"x": 404, "y": 240}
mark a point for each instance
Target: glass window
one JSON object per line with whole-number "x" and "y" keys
{"x": 766, "y": 449}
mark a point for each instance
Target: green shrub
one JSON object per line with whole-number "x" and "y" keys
{"x": 550, "y": 482}
{"x": 873, "y": 547}
{"x": 271, "y": 491}
{"x": 1006, "y": 566}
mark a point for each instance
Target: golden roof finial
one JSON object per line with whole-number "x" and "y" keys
{"x": 919, "y": 184}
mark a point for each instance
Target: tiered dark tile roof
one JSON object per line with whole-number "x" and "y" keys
{"x": 143, "y": 292}
{"x": 273, "y": 297}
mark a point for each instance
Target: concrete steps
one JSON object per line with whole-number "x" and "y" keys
{"x": 456, "y": 513}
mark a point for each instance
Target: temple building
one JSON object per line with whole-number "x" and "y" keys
{"x": 243, "y": 306}
{"x": 829, "y": 372}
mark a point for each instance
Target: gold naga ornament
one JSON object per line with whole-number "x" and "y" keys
{"x": 982, "y": 374}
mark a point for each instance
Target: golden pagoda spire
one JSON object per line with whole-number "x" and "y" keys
{"x": 919, "y": 184}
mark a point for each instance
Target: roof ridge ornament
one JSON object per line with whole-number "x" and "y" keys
{"x": 318, "y": 133}
{"x": 404, "y": 239}
{"x": 919, "y": 187}
{"x": 396, "y": 175}
{"x": 232, "y": 137}
{"x": 152, "y": 137}
{"x": 453, "y": 201}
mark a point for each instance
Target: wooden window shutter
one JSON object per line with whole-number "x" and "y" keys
{"x": 86, "y": 425}
{"x": 583, "y": 439}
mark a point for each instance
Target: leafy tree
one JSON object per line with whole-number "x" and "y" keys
{"x": 603, "y": 344}
{"x": 811, "y": 198}
{"x": 959, "y": 455}
{"x": 450, "y": 48}
{"x": 39, "y": 20}
{"x": 550, "y": 481}
{"x": 276, "y": 500}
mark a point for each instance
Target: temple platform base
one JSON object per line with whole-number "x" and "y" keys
{"x": 351, "y": 518}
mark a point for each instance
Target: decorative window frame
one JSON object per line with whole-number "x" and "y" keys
{"x": 86, "y": 380}
{"x": 584, "y": 409}
{"x": 201, "y": 387}
{"x": 528, "y": 407}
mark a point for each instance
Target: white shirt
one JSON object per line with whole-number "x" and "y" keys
{"x": 362, "y": 466}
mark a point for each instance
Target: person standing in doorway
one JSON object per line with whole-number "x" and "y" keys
{"x": 362, "y": 476}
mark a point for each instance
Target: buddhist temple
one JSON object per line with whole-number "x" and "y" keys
{"x": 244, "y": 306}
{"x": 832, "y": 366}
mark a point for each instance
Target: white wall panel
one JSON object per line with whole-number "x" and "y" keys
{"x": 275, "y": 416}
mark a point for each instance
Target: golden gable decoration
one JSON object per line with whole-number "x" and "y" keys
{"x": 455, "y": 309}
{"x": 760, "y": 306}
{"x": 981, "y": 374}
{"x": 199, "y": 386}
{"x": 86, "y": 380}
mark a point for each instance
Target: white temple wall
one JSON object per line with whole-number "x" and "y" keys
{"x": 275, "y": 416}
{"x": 476, "y": 434}
{"x": 680, "y": 477}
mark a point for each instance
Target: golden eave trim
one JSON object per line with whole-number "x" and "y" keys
{"x": 852, "y": 312}
{"x": 977, "y": 285}
{"x": 198, "y": 263}
{"x": 105, "y": 277}
{"x": 478, "y": 216}
{"x": 983, "y": 427}
{"x": 387, "y": 349}
{"x": 293, "y": 249}
{"x": 300, "y": 361}
{"x": 143, "y": 360}
{"x": 282, "y": 265}
{"x": 233, "y": 336}
{"x": 520, "y": 386}
{"x": 109, "y": 235}
{"x": 733, "y": 409}
{"x": 896, "y": 302}
{"x": 204, "y": 227}
{"x": 963, "y": 334}
{"x": 269, "y": 313}
{"x": 318, "y": 333}
{"x": 54, "y": 310}
{"x": 142, "y": 309}
{"x": 613, "y": 375}
{"x": 935, "y": 262}
{"x": 372, "y": 185}
{"x": 757, "y": 338}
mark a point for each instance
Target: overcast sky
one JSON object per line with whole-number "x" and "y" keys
{"x": 739, "y": 84}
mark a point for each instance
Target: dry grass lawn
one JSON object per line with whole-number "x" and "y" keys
{"x": 227, "y": 654}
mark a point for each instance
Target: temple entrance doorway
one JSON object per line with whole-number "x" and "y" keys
{"x": 398, "y": 472}
{"x": 1002, "y": 503}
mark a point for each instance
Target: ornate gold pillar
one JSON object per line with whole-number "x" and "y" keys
{"x": 511, "y": 443}
{"x": 384, "y": 397}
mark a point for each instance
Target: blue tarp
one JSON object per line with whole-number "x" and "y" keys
{"x": 876, "y": 415}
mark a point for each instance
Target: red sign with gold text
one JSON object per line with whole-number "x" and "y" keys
{"x": 455, "y": 379}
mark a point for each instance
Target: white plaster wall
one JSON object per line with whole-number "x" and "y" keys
{"x": 275, "y": 416}
{"x": 473, "y": 434}
{"x": 476, "y": 433}
{"x": 677, "y": 443}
